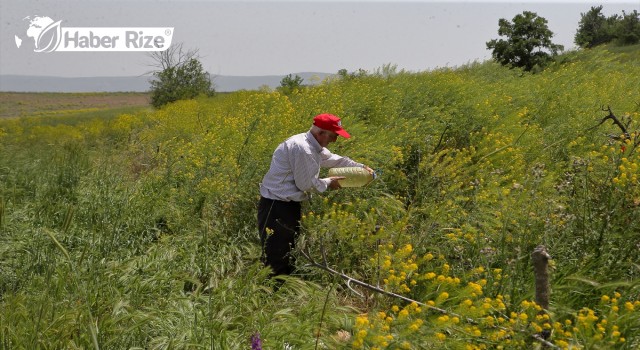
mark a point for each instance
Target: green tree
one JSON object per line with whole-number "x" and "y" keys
{"x": 179, "y": 76}
{"x": 528, "y": 42}
{"x": 627, "y": 28}
{"x": 290, "y": 83}
{"x": 594, "y": 28}
{"x": 345, "y": 75}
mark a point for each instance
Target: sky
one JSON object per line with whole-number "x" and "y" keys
{"x": 249, "y": 38}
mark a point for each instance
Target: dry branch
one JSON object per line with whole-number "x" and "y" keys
{"x": 324, "y": 266}
{"x": 615, "y": 120}
{"x": 351, "y": 280}
{"x": 175, "y": 56}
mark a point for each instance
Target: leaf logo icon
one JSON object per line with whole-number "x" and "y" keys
{"x": 49, "y": 38}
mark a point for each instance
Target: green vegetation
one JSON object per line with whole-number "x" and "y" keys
{"x": 28, "y": 104}
{"x": 528, "y": 42}
{"x": 185, "y": 81}
{"x": 139, "y": 231}
{"x": 290, "y": 83}
{"x": 179, "y": 75}
{"x": 596, "y": 29}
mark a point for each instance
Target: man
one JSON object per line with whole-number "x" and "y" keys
{"x": 292, "y": 176}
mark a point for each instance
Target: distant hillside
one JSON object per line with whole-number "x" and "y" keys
{"x": 26, "y": 83}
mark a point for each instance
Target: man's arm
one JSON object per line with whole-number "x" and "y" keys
{"x": 334, "y": 160}
{"x": 331, "y": 160}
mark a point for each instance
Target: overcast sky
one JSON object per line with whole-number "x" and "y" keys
{"x": 273, "y": 38}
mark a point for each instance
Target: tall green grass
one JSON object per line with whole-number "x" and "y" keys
{"x": 136, "y": 229}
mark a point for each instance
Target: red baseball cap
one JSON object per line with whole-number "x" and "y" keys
{"x": 330, "y": 122}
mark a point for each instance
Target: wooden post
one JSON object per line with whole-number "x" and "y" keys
{"x": 540, "y": 259}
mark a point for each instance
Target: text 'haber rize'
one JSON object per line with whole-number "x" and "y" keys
{"x": 133, "y": 40}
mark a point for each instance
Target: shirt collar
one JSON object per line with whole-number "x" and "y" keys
{"x": 313, "y": 142}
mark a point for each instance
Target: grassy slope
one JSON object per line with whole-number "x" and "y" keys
{"x": 138, "y": 231}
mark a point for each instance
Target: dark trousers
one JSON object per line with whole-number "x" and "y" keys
{"x": 279, "y": 225}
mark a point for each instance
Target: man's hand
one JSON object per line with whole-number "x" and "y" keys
{"x": 334, "y": 184}
{"x": 368, "y": 169}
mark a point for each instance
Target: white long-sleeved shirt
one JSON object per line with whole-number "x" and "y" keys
{"x": 295, "y": 168}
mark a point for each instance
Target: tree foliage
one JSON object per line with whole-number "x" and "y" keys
{"x": 596, "y": 29}
{"x": 179, "y": 76}
{"x": 346, "y": 75}
{"x": 627, "y": 28}
{"x": 527, "y": 44}
{"x": 290, "y": 83}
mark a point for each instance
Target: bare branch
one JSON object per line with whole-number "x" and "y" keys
{"x": 349, "y": 279}
{"x": 174, "y": 56}
{"x": 545, "y": 342}
{"x": 615, "y": 120}
{"x": 353, "y": 290}
{"x": 446, "y": 127}
{"x": 324, "y": 253}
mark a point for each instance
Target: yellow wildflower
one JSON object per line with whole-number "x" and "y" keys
{"x": 629, "y": 306}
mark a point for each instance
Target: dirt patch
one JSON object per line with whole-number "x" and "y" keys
{"x": 18, "y": 104}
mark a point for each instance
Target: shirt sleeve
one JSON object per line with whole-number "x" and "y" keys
{"x": 306, "y": 170}
{"x": 330, "y": 160}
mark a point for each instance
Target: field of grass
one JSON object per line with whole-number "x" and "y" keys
{"x": 27, "y": 104}
{"x": 136, "y": 229}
